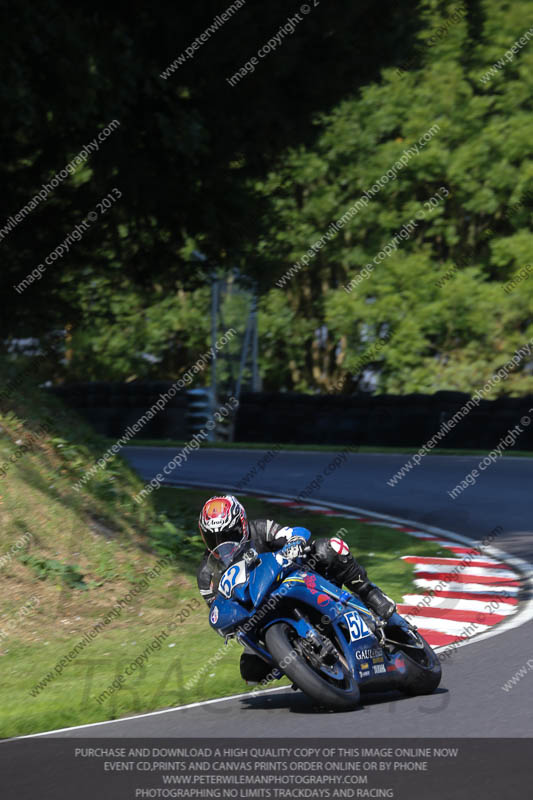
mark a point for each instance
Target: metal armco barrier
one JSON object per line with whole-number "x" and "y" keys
{"x": 111, "y": 407}
{"x": 388, "y": 420}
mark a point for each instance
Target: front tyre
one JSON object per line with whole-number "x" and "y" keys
{"x": 333, "y": 687}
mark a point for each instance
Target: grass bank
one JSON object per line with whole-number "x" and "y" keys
{"x": 68, "y": 557}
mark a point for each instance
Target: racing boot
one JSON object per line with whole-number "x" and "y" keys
{"x": 377, "y": 600}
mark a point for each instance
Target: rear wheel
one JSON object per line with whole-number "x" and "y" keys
{"x": 326, "y": 680}
{"x": 423, "y": 666}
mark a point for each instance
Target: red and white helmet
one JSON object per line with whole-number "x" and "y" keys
{"x": 223, "y": 519}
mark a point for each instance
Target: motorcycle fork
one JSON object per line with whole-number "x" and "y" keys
{"x": 327, "y": 647}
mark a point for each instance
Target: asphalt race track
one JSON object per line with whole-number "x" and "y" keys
{"x": 470, "y": 701}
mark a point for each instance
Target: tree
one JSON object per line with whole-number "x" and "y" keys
{"x": 186, "y": 156}
{"x": 441, "y": 291}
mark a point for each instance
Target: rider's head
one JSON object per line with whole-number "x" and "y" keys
{"x": 223, "y": 519}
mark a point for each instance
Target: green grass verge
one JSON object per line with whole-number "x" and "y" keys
{"x": 71, "y": 698}
{"x": 73, "y": 542}
{"x": 329, "y": 448}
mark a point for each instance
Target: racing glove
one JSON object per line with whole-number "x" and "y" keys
{"x": 294, "y": 548}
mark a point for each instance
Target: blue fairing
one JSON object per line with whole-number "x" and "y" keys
{"x": 346, "y": 615}
{"x": 230, "y": 615}
{"x": 262, "y": 578}
{"x": 272, "y": 567}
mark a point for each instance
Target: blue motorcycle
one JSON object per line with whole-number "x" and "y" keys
{"x": 324, "y": 639}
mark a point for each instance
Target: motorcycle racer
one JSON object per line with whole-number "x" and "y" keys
{"x": 223, "y": 519}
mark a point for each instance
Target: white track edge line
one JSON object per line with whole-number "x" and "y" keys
{"x": 147, "y": 714}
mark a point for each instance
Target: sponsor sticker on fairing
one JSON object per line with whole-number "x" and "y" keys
{"x": 370, "y": 653}
{"x": 399, "y": 664}
{"x": 379, "y": 668}
{"x": 214, "y": 615}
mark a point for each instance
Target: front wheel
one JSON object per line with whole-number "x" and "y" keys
{"x": 330, "y": 684}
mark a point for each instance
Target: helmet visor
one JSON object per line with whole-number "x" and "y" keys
{"x": 213, "y": 540}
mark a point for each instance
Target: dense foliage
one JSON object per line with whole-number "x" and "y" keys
{"x": 444, "y": 291}
{"x": 254, "y": 175}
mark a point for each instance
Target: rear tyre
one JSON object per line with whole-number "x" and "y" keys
{"x": 283, "y": 644}
{"x": 423, "y": 669}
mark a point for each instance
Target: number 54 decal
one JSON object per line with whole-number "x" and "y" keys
{"x": 231, "y": 578}
{"x": 356, "y": 626}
